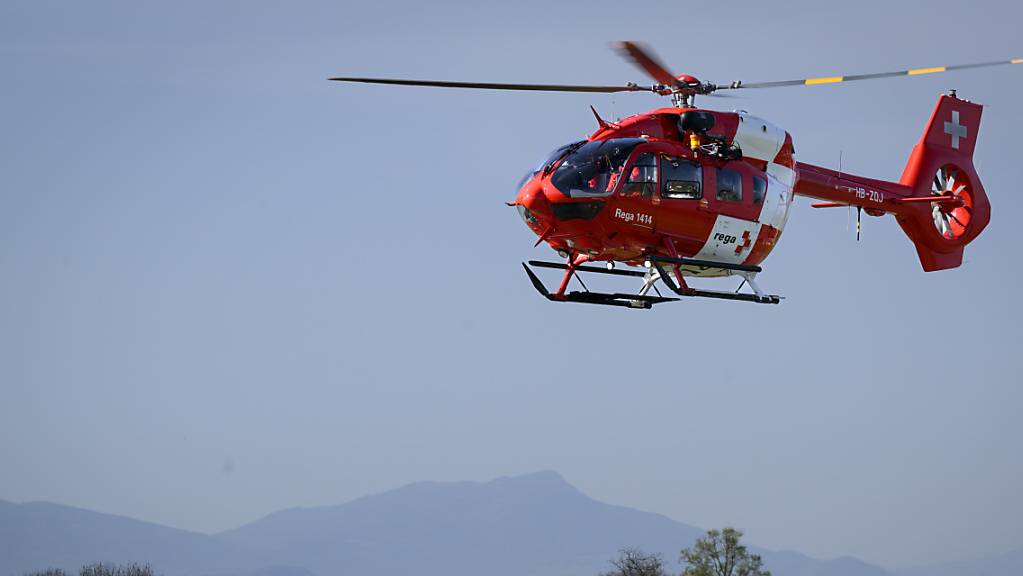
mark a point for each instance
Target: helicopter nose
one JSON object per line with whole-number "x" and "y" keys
{"x": 533, "y": 206}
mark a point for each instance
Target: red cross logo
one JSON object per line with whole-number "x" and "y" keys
{"x": 745, "y": 242}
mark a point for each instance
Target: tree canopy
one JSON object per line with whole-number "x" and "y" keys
{"x": 633, "y": 562}
{"x": 719, "y": 553}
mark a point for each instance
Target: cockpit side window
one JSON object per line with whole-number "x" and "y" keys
{"x": 759, "y": 190}
{"x": 642, "y": 180}
{"x": 729, "y": 185}
{"x": 682, "y": 178}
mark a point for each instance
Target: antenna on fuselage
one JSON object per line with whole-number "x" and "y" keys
{"x": 848, "y": 211}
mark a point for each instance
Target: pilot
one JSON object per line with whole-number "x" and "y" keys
{"x": 612, "y": 180}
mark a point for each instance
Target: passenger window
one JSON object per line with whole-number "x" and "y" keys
{"x": 729, "y": 185}
{"x": 759, "y": 189}
{"x": 642, "y": 177}
{"x": 682, "y": 179}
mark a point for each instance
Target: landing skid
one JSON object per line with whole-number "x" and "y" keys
{"x": 587, "y": 297}
{"x": 748, "y": 274}
{"x": 657, "y": 271}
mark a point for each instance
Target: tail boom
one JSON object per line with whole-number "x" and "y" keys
{"x": 849, "y": 190}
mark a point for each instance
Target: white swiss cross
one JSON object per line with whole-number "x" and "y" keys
{"x": 955, "y": 129}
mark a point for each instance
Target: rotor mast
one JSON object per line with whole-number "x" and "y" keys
{"x": 683, "y": 99}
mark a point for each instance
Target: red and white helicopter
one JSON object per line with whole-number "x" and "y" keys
{"x": 683, "y": 191}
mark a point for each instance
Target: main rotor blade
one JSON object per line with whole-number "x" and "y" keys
{"x": 645, "y": 60}
{"x": 498, "y": 86}
{"x": 835, "y": 79}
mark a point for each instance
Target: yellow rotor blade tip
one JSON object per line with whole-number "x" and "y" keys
{"x": 828, "y": 80}
{"x": 925, "y": 71}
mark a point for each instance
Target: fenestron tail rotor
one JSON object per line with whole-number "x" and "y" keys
{"x": 951, "y": 218}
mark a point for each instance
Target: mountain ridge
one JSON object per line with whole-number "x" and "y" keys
{"x": 38, "y": 535}
{"x": 528, "y": 525}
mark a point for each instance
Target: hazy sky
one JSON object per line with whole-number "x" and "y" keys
{"x": 230, "y": 286}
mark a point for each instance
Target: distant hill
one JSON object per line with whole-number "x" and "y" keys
{"x": 39, "y": 535}
{"x": 532, "y": 525}
{"x": 528, "y": 525}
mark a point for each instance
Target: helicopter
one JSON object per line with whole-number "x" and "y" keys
{"x": 681, "y": 192}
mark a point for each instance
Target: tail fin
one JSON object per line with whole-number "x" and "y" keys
{"x": 942, "y": 165}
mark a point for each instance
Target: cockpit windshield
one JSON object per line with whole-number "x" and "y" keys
{"x": 595, "y": 168}
{"x": 549, "y": 159}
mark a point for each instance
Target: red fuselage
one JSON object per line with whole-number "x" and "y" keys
{"x": 644, "y": 187}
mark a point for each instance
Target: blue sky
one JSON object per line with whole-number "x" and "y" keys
{"x": 231, "y": 287}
